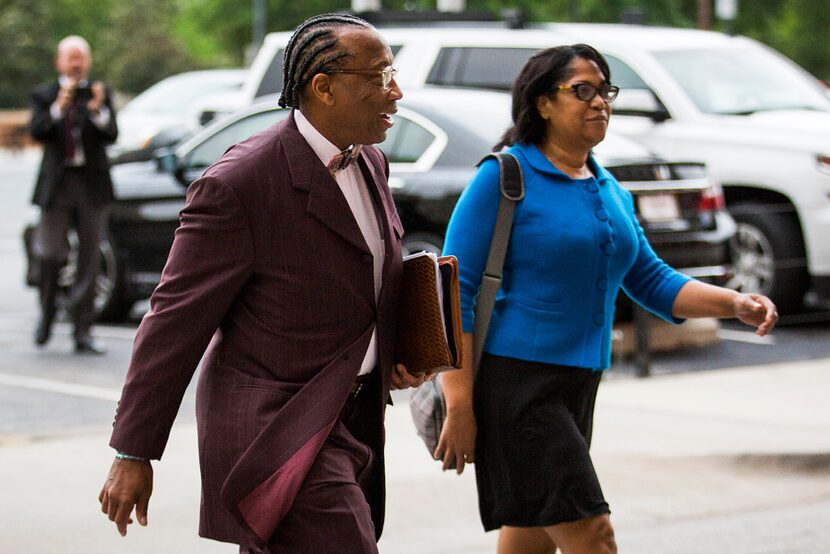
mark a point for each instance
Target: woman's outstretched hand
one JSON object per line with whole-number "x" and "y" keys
{"x": 756, "y": 310}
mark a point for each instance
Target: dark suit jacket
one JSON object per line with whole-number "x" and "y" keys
{"x": 269, "y": 253}
{"x": 53, "y": 136}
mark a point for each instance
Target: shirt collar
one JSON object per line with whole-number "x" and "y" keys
{"x": 324, "y": 148}
{"x": 64, "y": 80}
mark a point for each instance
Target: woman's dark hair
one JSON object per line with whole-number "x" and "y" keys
{"x": 540, "y": 75}
{"x": 311, "y": 48}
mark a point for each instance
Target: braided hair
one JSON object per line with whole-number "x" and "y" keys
{"x": 312, "y": 47}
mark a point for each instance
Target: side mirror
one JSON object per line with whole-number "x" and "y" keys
{"x": 206, "y": 117}
{"x": 640, "y": 102}
{"x": 166, "y": 161}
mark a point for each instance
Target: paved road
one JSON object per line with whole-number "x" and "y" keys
{"x": 734, "y": 461}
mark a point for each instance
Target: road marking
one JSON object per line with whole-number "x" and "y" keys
{"x": 60, "y": 387}
{"x": 745, "y": 336}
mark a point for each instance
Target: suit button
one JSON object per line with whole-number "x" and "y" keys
{"x": 367, "y": 258}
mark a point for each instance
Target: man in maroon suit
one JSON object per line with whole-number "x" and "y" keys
{"x": 292, "y": 268}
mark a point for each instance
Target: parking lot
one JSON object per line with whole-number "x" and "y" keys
{"x": 725, "y": 450}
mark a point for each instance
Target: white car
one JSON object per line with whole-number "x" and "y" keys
{"x": 759, "y": 122}
{"x": 173, "y": 106}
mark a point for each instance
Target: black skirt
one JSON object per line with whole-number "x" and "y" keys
{"x": 534, "y": 430}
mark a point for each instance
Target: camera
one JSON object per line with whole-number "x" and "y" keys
{"x": 83, "y": 92}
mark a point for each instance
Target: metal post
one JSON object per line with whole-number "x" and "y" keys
{"x": 574, "y": 12}
{"x": 726, "y": 11}
{"x": 642, "y": 348}
{"x": 259, "y": 23}
{"x": 704, "y": 14}
{"x": 365, "y": 6}
{"x": 451, "y": 5}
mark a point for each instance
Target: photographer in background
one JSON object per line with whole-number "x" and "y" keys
{"x": 74, "y": 119}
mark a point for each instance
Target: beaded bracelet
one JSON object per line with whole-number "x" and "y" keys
{"x": 129, "y": 457}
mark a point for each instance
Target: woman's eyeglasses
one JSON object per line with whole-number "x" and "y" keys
{"x": 386, "y": 74}
{"x": 586, "y": 92}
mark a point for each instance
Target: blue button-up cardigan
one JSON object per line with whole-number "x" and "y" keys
{"x": 574, "y": 244}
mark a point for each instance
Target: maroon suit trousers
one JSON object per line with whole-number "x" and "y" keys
{"x": 330, "y": 514}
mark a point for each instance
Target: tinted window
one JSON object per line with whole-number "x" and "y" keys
{"x": 212, "y": 149}
{"x": 272, "y": 80}
{"x": 488, "y": 68}
{"x": 623, "y": 76}
{"x": 406, "y": 141}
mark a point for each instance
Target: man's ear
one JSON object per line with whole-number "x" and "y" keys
{"x": 321, "y": 88}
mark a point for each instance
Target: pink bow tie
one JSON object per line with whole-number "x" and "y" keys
{"x": 344, "y": 158}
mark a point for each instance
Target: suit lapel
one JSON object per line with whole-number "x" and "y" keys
{"x": 326, "y": 202}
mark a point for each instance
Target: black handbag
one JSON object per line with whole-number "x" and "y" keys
{"x": 427, "y": 404}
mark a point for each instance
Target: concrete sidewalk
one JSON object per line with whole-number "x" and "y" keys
{"x": 733, "y": 461}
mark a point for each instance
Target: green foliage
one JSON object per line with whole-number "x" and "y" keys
{"x": 231, "y": 23}
{"x": 133, "y": 44}
{"x": 138, "y": 42}
{"x": 27, "y": 58}
{"x": 141, "y": 48}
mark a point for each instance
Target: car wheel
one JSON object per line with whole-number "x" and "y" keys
{"x": 111, "y": 301}
{"x": 768, "y": 256}
{"x": 416, "y": 242}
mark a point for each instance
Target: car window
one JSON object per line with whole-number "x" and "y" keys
{"x": 623, "y": 76}
{"x": 215, "y": 146}
{"x": 487, "y": 68}
{"x": 273, "y": 79}
{"x": 406, "y": 142}
{"x": 741, "y": 81}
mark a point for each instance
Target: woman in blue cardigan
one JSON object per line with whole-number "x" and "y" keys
{"x": 575, "y": 241}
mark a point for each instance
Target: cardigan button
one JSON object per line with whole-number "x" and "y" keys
{"x": 609, "y": 248}
{"x": 602, "y": 215}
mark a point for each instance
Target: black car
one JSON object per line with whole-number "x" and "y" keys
{"x": 438, "y": 137}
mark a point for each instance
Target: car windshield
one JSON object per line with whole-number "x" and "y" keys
{"x": 176, "y": 94}
{"x": 742, "y": 81}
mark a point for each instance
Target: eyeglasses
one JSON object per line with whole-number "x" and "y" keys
{"x": 386, "y": 74}
{"x": 586, "y": 92}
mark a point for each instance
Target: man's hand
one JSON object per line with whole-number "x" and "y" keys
{"x": 66, "y": 95}
{"x": 129, "y": 485}
{"x": 756, "y": 310}
{"x": 402, "y": 379}
{"x": 99, "y": 96}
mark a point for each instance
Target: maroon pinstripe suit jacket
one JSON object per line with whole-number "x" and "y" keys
{"x": 270, "y": 264}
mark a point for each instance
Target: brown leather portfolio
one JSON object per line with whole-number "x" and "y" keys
{"x": 429, "y": 321}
